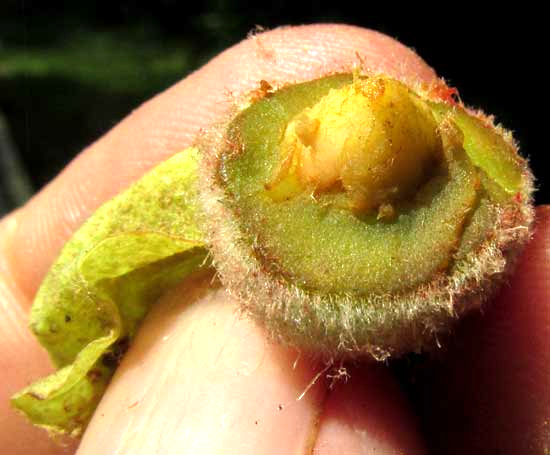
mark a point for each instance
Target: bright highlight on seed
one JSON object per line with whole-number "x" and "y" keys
{"x": 371, "y": 139}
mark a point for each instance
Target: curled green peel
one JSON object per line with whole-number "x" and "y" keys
{"x": 103, "y": 283}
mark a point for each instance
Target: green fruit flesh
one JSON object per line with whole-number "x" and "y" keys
{"x": 317, "y": 243}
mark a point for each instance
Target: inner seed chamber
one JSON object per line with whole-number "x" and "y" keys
{"x": 360, "y": 186}
{"x": 371, "y": 139}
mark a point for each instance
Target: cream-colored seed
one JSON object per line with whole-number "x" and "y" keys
{"x": 373, "y": 139}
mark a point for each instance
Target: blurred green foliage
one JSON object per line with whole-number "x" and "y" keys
{"x": 118, "y": 62}
{"x": 69, "y": 70}
{"x": 59, "y": 98}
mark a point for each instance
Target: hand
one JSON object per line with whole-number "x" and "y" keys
{"x": 201, "y": 379}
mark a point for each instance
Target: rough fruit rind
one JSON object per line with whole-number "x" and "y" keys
{"x": 100, "y": 287}
{"x": 297, "y": 306}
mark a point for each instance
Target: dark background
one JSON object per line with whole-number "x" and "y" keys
{"x": 70, "y": 70}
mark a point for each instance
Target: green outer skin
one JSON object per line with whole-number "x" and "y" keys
{"x": 102, "y": 285}
{"x": 489, "y": 149}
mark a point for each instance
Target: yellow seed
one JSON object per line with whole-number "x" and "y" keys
{"x": 373, "y": 139}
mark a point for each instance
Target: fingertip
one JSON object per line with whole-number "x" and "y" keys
{"x": 368, "y": 414}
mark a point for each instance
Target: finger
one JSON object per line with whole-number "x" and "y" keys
{"x": 493, "y": 393}
{"x": 200, "y": 379}
{"x": 368, "y": 414}
{"x": 171, "y": 121}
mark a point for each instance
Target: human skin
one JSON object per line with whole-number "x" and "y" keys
{"x": 202, "y": 379}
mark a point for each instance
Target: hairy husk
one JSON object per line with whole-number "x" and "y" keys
{"x": 344, "y": 325}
